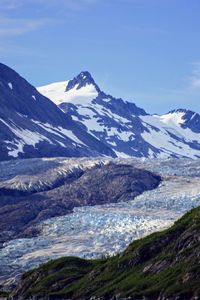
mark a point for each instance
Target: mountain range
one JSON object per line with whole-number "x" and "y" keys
{"x": 127, "y": 129}
{"x": 75, "y": 118}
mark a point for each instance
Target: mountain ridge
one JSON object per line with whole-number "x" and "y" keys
{"x": 85, "y": 121}
{"x": 123, "y": 126}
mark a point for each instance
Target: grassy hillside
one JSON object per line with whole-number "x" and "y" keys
{"x": 3, "y": 294}
{"x": 163, "y": 265}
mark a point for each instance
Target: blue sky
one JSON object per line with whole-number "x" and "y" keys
{"x": 147, "y": 51}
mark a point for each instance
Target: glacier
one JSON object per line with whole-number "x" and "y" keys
{"x": 95, "y": 231}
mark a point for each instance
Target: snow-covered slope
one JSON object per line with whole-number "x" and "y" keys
{"x": 124, "y": 127}
{"x": 32, "y": 126}
{"x": 169, "y": 134}
{"x": 57, "y": 92}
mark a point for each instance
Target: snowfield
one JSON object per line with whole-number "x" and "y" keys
{"x": 56, "y": 92}
{"x": 170, "y": 123}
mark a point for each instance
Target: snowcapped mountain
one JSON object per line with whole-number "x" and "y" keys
{"x": 33, "y": 126}
{"x": 123, "y": 126}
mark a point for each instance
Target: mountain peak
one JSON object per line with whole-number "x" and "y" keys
{"x": 81, "y": 80}
{"x": 85, "y": 75}
{"x": 187, "y": 113}
{"x": 181, "y": 110}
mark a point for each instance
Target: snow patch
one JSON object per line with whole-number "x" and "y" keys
{"x": 10, "y": 85}
{"x": 121, "y": 154}
{"x": 192, "y": 117}
{"x": 70, "y": 135}
{"x": 23, "y": 137}
{"x": 59, "y": 131}
{"x": 175, "y": 118}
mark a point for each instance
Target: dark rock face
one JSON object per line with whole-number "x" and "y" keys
{"x": 161, "y": 266}
{"x": 33, "y": 126}
{"x": 192, "y": 121}
{"x": 109, "y": 183}
{"x": 81, "y": 80}
{"x": 16, "y": 95}
{"x": 21, "y": 211}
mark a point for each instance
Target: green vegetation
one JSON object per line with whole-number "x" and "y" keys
{"x": 3, "y": 294}
{"x": 165, "y": 264}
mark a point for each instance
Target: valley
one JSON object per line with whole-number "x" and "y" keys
{"x": 98, "y": 230}
{"x": 163, "y": 265}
